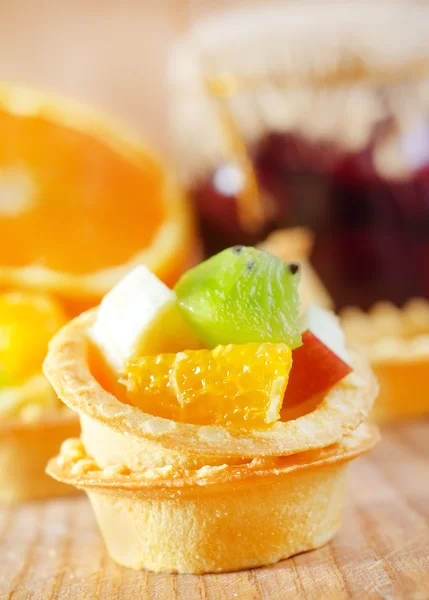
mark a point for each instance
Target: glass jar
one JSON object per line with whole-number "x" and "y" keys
{"x": 317, "y": 115}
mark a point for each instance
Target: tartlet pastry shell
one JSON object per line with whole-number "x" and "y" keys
{"x": 25, "y": 448}
{"x": 218, "y": 518}
{"x": 396, "y": 342}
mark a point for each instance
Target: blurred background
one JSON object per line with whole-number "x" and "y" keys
{"x": 109, "y": 53}
{"x": 345, "y": 154}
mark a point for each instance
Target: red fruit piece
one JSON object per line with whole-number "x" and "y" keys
{"x": 315, "y": 368}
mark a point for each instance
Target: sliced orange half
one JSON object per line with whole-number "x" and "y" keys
{"x": 81, "y": 201}
{"x": 235, "y": 386}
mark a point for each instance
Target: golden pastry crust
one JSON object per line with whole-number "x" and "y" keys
{"x": 219, "y": 518}
{"x": 112, "y": 429}
{"x": 25, "y": 448}
{"x": 73, "y": 465}
{"x": 295, "y": 244}
{"x": 396, "y": 341}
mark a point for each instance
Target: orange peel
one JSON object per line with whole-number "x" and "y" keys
{"x": 172, "y": 246}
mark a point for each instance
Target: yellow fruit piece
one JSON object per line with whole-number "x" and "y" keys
{"x": 27, "y": 323}
{"x": 236, "y": 386}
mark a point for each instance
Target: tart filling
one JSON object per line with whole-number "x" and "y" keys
{"x": 131, "y": 432}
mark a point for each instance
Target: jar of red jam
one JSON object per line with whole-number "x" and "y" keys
{"x": 313, "y": 114}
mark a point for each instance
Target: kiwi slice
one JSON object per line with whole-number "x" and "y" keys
{"x": 242, "y": 295}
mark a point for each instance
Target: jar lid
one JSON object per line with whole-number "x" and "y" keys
{"x": 329, "y": 71}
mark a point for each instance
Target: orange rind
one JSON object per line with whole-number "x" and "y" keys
{"x": 71, "y": 174}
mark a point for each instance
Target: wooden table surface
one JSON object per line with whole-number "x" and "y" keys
{"x": 53, "y": 550}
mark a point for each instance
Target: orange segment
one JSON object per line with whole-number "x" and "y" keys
{"x": 80, "y": 200}
{"x": 234, "y": 386}
{"x": 27, "y": 323}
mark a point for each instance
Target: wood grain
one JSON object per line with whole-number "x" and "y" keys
{"x": 52, "y": 550}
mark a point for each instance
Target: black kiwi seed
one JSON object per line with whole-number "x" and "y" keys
{"x": 237, "y": 249}
{"x": 293, "y": 268}
{"x": 250, "y": 265}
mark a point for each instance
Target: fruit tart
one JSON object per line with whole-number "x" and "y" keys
{"x": 33, "y": 423}
{"x": 217, "y": 423}
{"x": 69, "y": 179}
{"x": 396, "y": 341}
